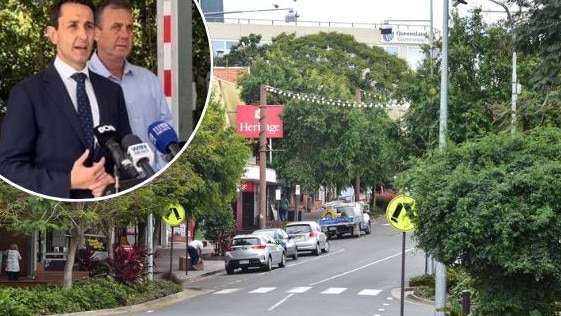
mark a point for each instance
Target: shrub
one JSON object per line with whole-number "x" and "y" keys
{"x": 422, "y": 280}
{"x": 94, "y": 294}
{"x": 127, "y": 265}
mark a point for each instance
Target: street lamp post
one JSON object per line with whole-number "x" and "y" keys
{"x": 440, "y": 273}
{"x": 514, "y": 83}
{"x": 440, "y": 268}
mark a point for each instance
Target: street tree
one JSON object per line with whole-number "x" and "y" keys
{"x": 479, "y": 81}
{"x": 489, "y": 206}
{"x": 26, "y": 214}
{"x": 242, "y": 54}
{"x": 537, "y": 33}
{"x": 328, "y": 140}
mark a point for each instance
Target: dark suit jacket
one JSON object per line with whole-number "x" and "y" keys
{"x": 41, "y": 136}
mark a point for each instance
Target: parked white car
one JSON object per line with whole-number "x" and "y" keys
{"x": 308, "y": 236}
{"x": 259, "y": 250}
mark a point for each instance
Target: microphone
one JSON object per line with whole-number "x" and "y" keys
{"x": 108, "y": 138}
{"x": 164, "y": 137}
{"x": 140, "y": 153}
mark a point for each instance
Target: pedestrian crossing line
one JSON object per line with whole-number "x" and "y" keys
{"x": 227, "y": 291}
{"x": 334, "y": 290}
{"x": 370, "y": 292}
{"x": 262, "y": 290}
{"x": 300, "y": 289}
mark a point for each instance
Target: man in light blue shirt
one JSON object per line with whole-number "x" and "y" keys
{"x": 144, "y": 97}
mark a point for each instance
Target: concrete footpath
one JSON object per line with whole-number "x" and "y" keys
{"x": 166, "y": 257}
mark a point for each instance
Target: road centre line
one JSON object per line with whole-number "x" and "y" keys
{"x": 280, "y": 302}
{"x": 360, "y": 268}
{"x": 316, "y": 258}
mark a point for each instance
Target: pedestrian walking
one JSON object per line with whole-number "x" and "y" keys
{"x": 283, "y": 208}
{"x": 13, "y": 258}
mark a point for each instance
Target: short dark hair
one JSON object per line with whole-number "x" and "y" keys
{"x": 55, "y": 9}
{"x": 113, "y": 4}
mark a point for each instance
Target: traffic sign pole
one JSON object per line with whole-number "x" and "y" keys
{"x": 402, "y": 273}
{"x": 171, "y": 251}
{"x": 400, "y": 214}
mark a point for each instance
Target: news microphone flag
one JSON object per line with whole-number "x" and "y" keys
{"x": 109, "y": 139}
{"x": 164, "y": 137}
{"x": 139, "y": 152}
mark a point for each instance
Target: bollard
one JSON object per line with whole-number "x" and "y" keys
{"x": 466, "y": 302}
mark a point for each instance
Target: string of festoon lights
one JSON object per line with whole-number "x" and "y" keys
{"x": 392, "y": 104}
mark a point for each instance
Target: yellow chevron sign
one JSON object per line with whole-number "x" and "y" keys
{"x": 175, "y": 215}
{"x": 400, "y": 212}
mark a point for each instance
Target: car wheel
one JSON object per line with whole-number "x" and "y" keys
{"x": 268, "y": 265}
{"x": 282, "y": 263}
{"x": 326, "y": 247}
{"x": 229, "y": 270}
{"x": 317, "y": 250}
{"x": 295, "y": 254}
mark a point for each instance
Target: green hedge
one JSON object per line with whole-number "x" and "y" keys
{"x": 94, "y": 294}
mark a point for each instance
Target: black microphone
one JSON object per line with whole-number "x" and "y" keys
{"x": 140, "y": 153}
{"x": 108, "y": 138}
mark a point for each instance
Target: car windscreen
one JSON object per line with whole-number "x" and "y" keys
{"x": 245, "y": 241}
{"x": 346, "y": 209}
{"x": 271, "y": 233}
{"x": 298, "y": 229}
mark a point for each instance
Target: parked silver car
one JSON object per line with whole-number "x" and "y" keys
{"x": 281, "y": 236}
{"x": 308, "y": 236}
{"x": 260, "y": 251}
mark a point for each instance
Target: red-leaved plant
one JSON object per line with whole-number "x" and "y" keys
{"x": 127, "y": 265}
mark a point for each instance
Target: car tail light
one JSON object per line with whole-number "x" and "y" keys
{"x": 259, "y": 247}
{"x": 312, "y": 234}
{"x": 230, "y": 248}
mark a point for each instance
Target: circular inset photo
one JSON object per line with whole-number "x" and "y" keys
{"x": 104, "y": 97}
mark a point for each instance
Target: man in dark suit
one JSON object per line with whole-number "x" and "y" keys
{"x": 44, "y": 147}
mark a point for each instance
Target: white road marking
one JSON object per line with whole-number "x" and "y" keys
{"x": 324, "y": 255}
{"x": 226, "y": 291}
{"x": 263, "y": 290}
{"x": 280, "y": 302}
{"x": 334, "y": 290}
{"x": 370, "y": 292}
{"x": 360, "y": 268}
{"x": 300, "y": 289}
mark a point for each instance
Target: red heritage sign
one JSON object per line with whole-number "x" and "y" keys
{"x": 248, "y": 121}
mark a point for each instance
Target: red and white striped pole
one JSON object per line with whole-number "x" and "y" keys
{"x": 175, "y": 70}
{"x": 175, "y": 61}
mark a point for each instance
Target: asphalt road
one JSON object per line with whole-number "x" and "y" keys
{"x": 356, "y": 277}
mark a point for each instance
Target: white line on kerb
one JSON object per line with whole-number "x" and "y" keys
{"x": 360, "y": 268}
{"x": 280, "y": 302}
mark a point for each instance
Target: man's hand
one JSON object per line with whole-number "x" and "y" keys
{"x": 92, "y": 178}
{"x": 99, "y": 187}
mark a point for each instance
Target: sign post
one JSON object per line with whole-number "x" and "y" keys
{"x": 400, "y": 213}
{"x": 297, "y": 193}
{"x": 175, "y": 215}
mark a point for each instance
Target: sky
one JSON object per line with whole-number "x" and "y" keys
{"x": 359, "y": 11}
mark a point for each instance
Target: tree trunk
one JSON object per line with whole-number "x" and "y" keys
{"x": 70, "y": 255}
{"x": 357, "y": 189}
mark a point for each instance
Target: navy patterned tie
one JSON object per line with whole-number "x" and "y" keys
{"x": 84, "y": 110}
